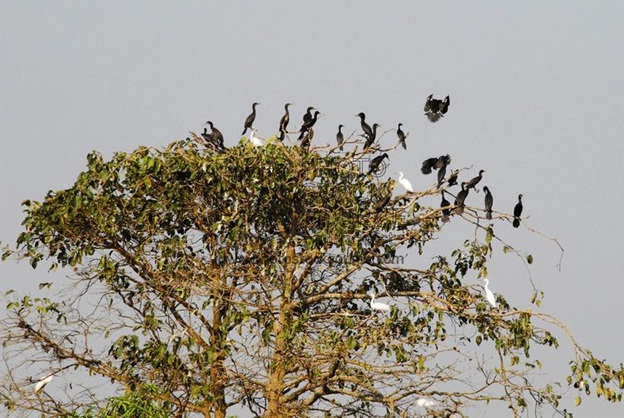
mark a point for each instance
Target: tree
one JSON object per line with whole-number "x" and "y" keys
{"x": 210, "y": 280}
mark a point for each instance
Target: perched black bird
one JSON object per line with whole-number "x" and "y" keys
{"x": 475, "y": 180}
{"x": 452, "y": 180}
{"x": 283, "y": 126}
{"x": 428, "y": 165}
{"x": 217, "y": 136}
{"x": 340, "y": 137}
{"x": 460, "y": 199}
{"x": 517, "y": 212}
{"x": 371, "y": 138}
{"x": 207, "y": 137}
{"x": 489, "y": 201}
{"x": 308, "y": 115}
{"x": 374, "y": 164}
{"x": 446, "y": 211}
{"x": 401, "y": 136}
{"x": 309, "y": 124}
{"x": 250, "y": 119}
{"x": 307, "y": 138}
{"x": 365, "y": 126}
{"x": 441, "y": 164}
{"x": 385, "y": 199}
{"x": 435, "y": 108}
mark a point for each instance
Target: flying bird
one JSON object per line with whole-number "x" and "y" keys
{"x": 251, "y": 118}
{"x": 405, "y": 183}
{"x": 517, "y": 212}
{"x": 340, "y": 137}
{"x": 435, "y": 109}
{"x": 401, "y": 136}
{"x": 489, "y": 201}
{"x": 488, "y": 294}
{"x": 378, "y": 306}
{"x": 375, "y": 162}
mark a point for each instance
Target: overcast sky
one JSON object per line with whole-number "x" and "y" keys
{"x": 536, "y": 91}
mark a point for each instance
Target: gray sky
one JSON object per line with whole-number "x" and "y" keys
{"x": 536, "y": 92}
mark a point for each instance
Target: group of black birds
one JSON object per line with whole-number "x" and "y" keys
{"x": 434, "y": 110}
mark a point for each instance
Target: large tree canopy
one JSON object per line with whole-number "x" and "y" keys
{"x": 208, "y": 283}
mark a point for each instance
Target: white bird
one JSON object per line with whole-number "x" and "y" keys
{"x": 489, "y": 295}
{"x": 256, "y": 140}
{"x": 378, "y": 306}
{"x": 42, "y": 382}
{"x": 425, "y": 403}
{"x": 405, "y": 183}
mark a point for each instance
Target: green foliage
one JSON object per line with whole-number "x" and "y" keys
{"x": 241, "y": 278}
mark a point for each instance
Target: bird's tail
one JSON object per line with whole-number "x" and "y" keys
{"x": 488, "y": 214}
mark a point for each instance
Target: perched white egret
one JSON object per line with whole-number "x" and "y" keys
{"x": 426, "y": 403}
{"x": 42, "y": 382}
{"x": 405, "y": 183}
{"x": 378, "y": 306}
{"x": 255, "y": 139}
{"x": 488, "y": 294}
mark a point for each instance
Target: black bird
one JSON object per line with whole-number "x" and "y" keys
{"x": 365, "y": 126}
{"x": 217, "y": 136}
{"x": 517, "y": 212}
{"x": 372, "y": 136}
{"x": 283, "y": 126}
{"x": 308, "y": 114}
{"x": 207, "y": 137}
{"x": 446, "y": 211}
{"x": 374, "y": 164}
{"x": 307, "y": 139}
{"x": 452, "y": 180}
{"x": 340, "y": 137}
{"x": 441, "y": 164}
{"x": 381, "y": 203}
{"x": 401, "y": 136}
{"x": 309, "y": 124}
{"x": 250, "y": 119}
{"x": 489, "y": 201}
{"x": 460, "y": 199}
{"x": 435, "y": 108}
{"x": 428, "y": 165}
{"x": 475, "y": 180}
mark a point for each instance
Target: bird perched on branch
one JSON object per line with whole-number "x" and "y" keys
{"x": 517, "y": 212}
{"x": 251, "y": 118}
{"x": 378, "y": 306}
{"x": 489, "y": 201}
{"x": 283, "y": 126}
{"x": 365, "y": 126}
{"x": 460, "y": 199}
{"x": 307, "y": 125}
{"x": 375, "y": 162}
{"x": 42, "y": 382}
{"x": 475, "y": 180}
{"x": 435, "y": 163}
{"x": 446, "y": 211}
{"x": 401, "y": 136}
{"x": 435, "y": 109}
{"x": 488, "y": 294}
{"x": 405, "y": 183}
{"x": 340, "y": 137}
{"x": 216, "y": 137}
{"x": 371, "y": 138}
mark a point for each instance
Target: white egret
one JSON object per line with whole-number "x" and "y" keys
{"x": 425, "y": 403}
{"x": 378, "y": 306}
{"x": 488, "y": 294}
{"x": 256, "y": 140}
{"x": 405, "y": 183}
{"x": 42, "y": 382}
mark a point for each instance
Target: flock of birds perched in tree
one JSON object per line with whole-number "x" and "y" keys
{"x": 434, "y": 109}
